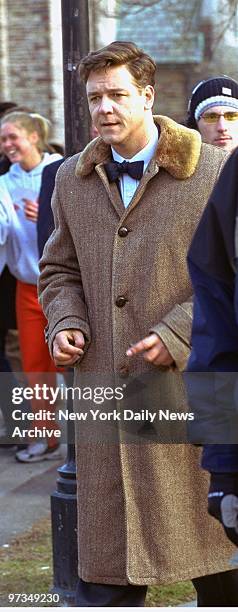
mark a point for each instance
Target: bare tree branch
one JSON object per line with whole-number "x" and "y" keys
{"x": 123, "y": 7}
{"x": 227, "y": 16}
{"x": 188, "y": 13}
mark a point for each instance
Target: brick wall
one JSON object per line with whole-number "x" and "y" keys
{"x": 56, "y": 76}
{"x": 4, "y": 72}
{"x": 28, "y": 44}
{"x": 171, "y": 92}
{"x": 33, "y": 56}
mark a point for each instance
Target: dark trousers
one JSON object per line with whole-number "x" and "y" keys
{"x": 7, "y": 321}
{"x": 103, "y": 595}
{"x": 7, "y": 382}
{"x": 214, "y": 590}
{"x": 217, "y": 589}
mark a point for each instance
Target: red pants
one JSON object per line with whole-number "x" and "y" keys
{"x": 36, "y": 360}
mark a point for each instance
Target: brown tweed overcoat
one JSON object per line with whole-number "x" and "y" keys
{"x": 142, "y": 514}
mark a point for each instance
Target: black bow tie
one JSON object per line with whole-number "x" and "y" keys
{"x": 115, "y": 169}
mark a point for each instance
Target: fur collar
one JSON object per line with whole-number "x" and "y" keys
{"x": 178, "y": 150}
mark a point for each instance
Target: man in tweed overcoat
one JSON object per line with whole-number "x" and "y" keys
{"x": 113, "y": 272}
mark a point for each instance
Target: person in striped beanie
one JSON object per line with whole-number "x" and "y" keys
{"x": 213, "y": 111}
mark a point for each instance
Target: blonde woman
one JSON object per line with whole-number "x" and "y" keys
{"x": 24, "y": 141}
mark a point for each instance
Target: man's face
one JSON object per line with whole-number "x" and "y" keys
{"x": 222, "y": 133}
{"x": 119, "y": 110}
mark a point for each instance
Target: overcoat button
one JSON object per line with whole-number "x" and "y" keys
{"x": 123, "y": 232}
{"x": 121, "y": 301}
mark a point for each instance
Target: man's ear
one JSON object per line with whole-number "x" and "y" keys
{"x": 149, "y": 94}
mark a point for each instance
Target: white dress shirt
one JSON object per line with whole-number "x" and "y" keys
{"x": 128, "y": 185}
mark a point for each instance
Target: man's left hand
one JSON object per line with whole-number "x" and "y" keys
{"x": 153, "y": 350}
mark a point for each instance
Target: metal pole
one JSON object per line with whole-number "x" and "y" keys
{"x": 64, "y": 520}
{"x": 75, "y": 36}
{"x": 75, "y": 33}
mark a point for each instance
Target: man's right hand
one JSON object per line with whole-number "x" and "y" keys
{"x": 68, "y": 346}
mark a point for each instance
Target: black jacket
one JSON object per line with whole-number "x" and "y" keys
{"x": 45, "y": 221}
{"x": 212, "y": 261}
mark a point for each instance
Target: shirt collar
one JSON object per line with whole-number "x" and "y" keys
{"x": 144, "y": 154}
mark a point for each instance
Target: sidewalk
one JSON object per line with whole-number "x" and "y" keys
{"x": 24, "y": 493}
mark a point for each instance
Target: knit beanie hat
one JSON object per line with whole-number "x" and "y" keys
{"x": 216, "y": 91}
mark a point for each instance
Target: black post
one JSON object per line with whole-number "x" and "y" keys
{"x": 75, "y": 35}
{"x": 64, "y": 520}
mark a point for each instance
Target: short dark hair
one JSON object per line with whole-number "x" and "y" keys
{"x": 141, "y": 66}
{"x": 6, "y": 106}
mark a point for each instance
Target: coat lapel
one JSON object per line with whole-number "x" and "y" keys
{"x": 178, "y": 150}
{"x": 111, "y": 189}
